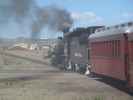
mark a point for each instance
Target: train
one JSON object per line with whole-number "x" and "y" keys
{"x": 111, "y": 52}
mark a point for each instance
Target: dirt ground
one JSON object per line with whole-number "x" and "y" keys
{"x": 28, "y": 79}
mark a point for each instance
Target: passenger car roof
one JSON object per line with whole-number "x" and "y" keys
{"x": 126, "y": 28}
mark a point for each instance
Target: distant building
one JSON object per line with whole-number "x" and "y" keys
{"x": 34, "y": 46}
{"x": 23, "y": 46}
{"x": 25, "y": 43}
{"x": 47, "y": 42}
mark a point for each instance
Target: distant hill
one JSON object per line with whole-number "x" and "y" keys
{"x": 5, "y": 42}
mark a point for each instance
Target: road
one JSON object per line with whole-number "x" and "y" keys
{"x": 39, "y": 81}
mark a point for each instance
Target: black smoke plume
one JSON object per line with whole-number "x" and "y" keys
{"x": 16, "y": 9}
{"x": 54, "y": 18}
{"x": 21, "y": 8}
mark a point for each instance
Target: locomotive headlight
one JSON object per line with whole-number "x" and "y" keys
{"x": 128, "y": 31}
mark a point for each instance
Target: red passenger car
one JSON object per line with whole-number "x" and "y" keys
{"x": 111, "y": 52}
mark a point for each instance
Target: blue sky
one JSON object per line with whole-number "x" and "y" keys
{"x": 88, "y": 12}
{"x": 104, "y": 11}
{"x": 95, "y": 12}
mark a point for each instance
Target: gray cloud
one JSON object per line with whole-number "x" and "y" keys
{"x": 90, "y": 16}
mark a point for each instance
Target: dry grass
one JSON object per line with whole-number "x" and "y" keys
{"x": 58, "y": 86}
{"x": 47, "y": 83}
